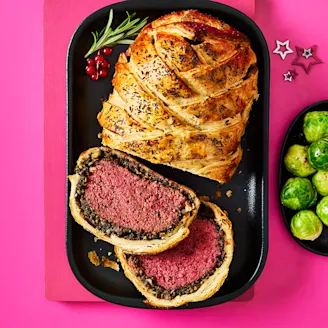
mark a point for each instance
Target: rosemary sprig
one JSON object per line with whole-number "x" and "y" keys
{"x": 123, "y": 34}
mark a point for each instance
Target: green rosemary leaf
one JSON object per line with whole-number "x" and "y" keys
{"x": 94, "y": 36}
{"x": 124, "y": 41}
{"x": 122, "y": 34}
{"x": 137, "y": 28}
{"x": 110, "y": 20}
{"x": 126, "y": 27}
{"x": 102, "y": 31}
{"x": 124, "y": 22}
{"x": 132, "y": 15}
{"x": 113, "y": 39}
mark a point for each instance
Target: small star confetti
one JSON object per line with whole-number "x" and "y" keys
{"x": 282, "y": 54}
{"x": 313, "y": 53}
{"x": 307, "y": 53}
{"x": 288, "y": 76}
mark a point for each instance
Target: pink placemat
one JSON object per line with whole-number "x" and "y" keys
{"x": 60, "y": 283}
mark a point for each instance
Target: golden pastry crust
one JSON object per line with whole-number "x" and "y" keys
{"x": 152, "y": 246}
{"x": 183, "y": 92}
{"x": 208, "y": 288}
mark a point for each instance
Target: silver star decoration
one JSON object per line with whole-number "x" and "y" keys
{"x": 307, "y": 53}
{"x": 288, "y": 76}
{"x": 283, "y": 54}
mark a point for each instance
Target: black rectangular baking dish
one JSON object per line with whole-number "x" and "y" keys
{"x": 249, "y": 185}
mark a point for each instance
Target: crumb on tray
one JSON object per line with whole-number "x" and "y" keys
{"x": 238, "y": 209}
{"x": 93, "y": 257}
{"x": 104, "y": 261}
{"x": 229, "y": 193}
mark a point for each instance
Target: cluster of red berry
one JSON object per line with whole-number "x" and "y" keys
{"x": 97, "y": 67}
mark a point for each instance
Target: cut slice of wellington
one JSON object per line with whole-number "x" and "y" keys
{"x": 182, "y": 95}
{"x": 193, "y": 270}
{"x": 124, "y": 203}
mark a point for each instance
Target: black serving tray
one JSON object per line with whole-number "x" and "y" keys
{"x": 293, "y": 136}
{"x": 249, "y": 184}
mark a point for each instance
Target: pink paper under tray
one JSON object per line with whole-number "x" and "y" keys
{"x": 60, "y": 283}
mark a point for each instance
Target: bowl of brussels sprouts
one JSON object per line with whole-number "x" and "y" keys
{"x": 303, "y": 178}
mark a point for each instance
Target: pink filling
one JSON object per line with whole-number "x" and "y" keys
{"x": 121, "y": 197}
{"x": 187, "y": 262}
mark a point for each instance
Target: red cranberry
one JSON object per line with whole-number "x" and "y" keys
{"x": 105, "y": 64}
{"x": 99, "y": 59}
{"x": 103, "y": 73}
{"x": 94, "y": 77}
{"x": 91, "y": 62}
{"x": 107, "y": 51}
{"x": 90, "y": 70}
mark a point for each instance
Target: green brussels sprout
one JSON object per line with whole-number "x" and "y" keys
{"x": 320, "y": 182}
{"x": 296, "y": 161}
{"x": 315, "y": 126}
{"x": 318, "y": 154}
{"x": 322, "y": 210}
{"x": 298, "y": 194}
{"x": 305, "y": 225}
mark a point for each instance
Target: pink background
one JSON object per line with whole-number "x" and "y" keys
{"x": 291, "y": 292}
